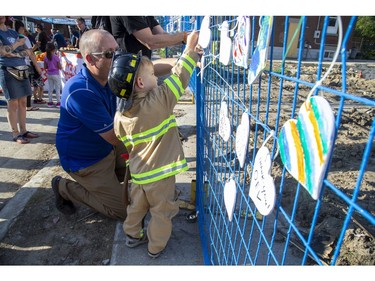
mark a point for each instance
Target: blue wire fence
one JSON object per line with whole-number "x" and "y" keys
{"x": 298, "y": 230}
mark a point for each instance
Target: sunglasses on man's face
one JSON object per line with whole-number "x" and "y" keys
{"x": 106, "y": 54}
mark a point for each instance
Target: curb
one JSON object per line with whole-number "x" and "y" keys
{"x": 10, "y": 212}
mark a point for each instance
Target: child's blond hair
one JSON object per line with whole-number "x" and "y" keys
{"x": 145, "y": 61}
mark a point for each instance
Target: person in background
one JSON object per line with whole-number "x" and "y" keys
{"x": 36, "y": 77}
{"x": 81, "y": 24}
{"x": 52, "y": 66}
{"x": 88, "y": 148}
{"x": 155, "y": 155}
{"x": 41, "y": 39}
{"x": 101, "y": 22}
{"x": 14, "y": 81}
{"x": 144, "y": 33}
{"x": 58, "y": 39}
{"x": 74, "y": 36}
{"x": 30, "y": 60}
{"x": 30, "y": 36}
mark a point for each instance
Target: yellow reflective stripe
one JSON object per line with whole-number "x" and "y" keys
{"x": 174, "y": 83}
{"x": 151, "y": 134}
{"x": 188, "y": 63}
{"x": 160, "y": 173}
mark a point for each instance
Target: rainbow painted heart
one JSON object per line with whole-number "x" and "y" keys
{"x": 306, "y": 143}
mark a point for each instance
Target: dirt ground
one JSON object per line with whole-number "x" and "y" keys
{"x": 43, "y": 236}
{"x": 356, "y": 122}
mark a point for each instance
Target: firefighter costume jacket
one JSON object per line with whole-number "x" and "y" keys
{"x": 149, "y": 129}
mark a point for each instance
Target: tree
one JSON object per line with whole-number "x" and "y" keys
{"x": 365, "y": 29}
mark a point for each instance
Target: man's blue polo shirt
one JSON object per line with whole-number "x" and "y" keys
{"x": 87, "y": 110}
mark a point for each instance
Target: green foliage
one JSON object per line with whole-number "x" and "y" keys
{"x": 365, "y": 27}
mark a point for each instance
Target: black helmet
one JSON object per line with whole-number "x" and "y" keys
{"x": 122, "y": 73}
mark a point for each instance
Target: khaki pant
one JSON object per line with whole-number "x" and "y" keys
{"x": 99, "y": 187}
{"x": 160, "y": 198}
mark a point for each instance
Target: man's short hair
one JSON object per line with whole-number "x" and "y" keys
{"x": 81, "y": 19}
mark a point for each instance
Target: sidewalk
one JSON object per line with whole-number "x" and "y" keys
{"x": 184, "y": 247}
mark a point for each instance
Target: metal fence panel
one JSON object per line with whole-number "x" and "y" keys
{"x": 315, "y": 194}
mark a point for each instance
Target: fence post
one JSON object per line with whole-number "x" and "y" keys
{"x": 199, "y": 97}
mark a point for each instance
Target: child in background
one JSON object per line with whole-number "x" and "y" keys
{"x": 38, "y": 86}
{"x": 146, "y": 125}
{"x": 53, "y": 66}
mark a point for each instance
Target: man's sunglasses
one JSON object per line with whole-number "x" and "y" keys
{"x": 106, "y": 54}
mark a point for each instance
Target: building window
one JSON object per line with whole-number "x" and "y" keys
{"x": 332, "y": 25}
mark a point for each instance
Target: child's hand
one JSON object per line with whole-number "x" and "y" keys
{"x": 192, "y": 40}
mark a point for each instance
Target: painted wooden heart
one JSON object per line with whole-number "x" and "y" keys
{"x": 242, "y": 139}
{"x": 230, "y": 193}
{"x": 259, "y": 57}
{"x": 224, "y": 123}
{"x": 241, "y": 42}
{"x": 202, "y": 67}
{"x": 205, "y": 33}
{"x": 225, "y": 44}
{"x": 262, "y": 187}
{"x": 306, "y": 143}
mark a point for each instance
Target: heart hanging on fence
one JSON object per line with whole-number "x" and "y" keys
{"x": 306, "y": 143}
{"x": 259, "y": 57}
{"x": 224, "y": 123}
{"x": 242, "y": 139}
{"x": 241, "y": 42}
{"x": 225, "y": 44}
{"x": 205, "y": 33}
{"x": 230, "y": 193}
{"x": 262, "y": 187}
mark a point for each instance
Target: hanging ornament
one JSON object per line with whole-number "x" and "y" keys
{"x": 205, "y": 33}
{"x": 262, "y": 187}
{"x": 241, "y": 42}
{"x": 224, "y": 123}
{"x": 202, "y": 67}
{"x": 225, "y": 44}
{"x": 242, "y": 139}
{"x": 230, "y": 193}
{"x": 259, "y": 57}
{"x": 306, "y": 143}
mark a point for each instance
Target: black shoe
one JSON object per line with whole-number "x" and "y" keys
{"x": 132, "y": 242}
{"x": 182, "y": 137}
{"x": 154, "y": 256}
{"x": 64, "y": 206}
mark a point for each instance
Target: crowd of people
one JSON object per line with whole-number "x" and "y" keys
{"x": 108, "y": 136}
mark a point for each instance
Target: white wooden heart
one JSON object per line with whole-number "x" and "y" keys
{"x": 230, "y": 193}
{"x": 225, "y": 44}
{"x": 202, "y": 67}
{"x": 306, "y": 143}
{"x": 242, "y": 139}
{"x": 224, "y": 123}
{"x": 262, "y": 187}
{"x": 205, "y": 33}
{"x": 241, "y": 42}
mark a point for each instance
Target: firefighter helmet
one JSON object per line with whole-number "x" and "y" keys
{"x": 122, "y": 73}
